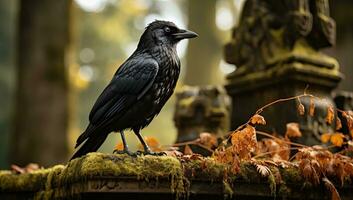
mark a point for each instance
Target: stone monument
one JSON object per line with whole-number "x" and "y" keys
{"x": 276, "y": 49}
{"x": 201, "y": 109}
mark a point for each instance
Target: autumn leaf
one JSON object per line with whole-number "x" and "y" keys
{"x": 329, "y": 185}
{"x": 349, "y": 118}
{"x": 258, "y": 119}
{"x": 338, "y": 124}
{"x": 325, "y": 138}
{"x": 312, "y": 107}
{"x": 337, "y": 139}
{"x": 31, "y": 167}
{"x": 119, "y": 146}
{"x": 280, "y": 150}
{"x": 308, "y": 170}
{"x": 152, "y": 142}
{"x": 301, "y": 109}
{"x": 293, "y": 130}
{"x": 209, "y": 140}
{"x": 330, "y": 114}
{"x": 244, "y": 142}
{"x": 187, "y": 150}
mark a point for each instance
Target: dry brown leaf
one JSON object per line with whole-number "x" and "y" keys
{"x": 31, "y": 167}
{"x": 258, "y": 119}
{"x": 338, "y": 124}
{"x": 330, "y": 114}
{"x": 332, "y": 189}
{"x": 337, "y": 139}
{"x": 244, "y": 142}
{"x": 309, "y": 172}
{"x": 325, "y": 138}
{"x": 209, "y": 140}
{"x": 279, "y": 148}
{"x": 301, "y": 109}
{"x": 293, "y": 130}
{"x": 312, "y": 107}
{"x": 188, "y": 150}
{"x": 349, "y": 118}
{"x": 17, "y": 169}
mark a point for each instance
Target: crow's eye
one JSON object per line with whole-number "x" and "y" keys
{"x": 167, "y": 29}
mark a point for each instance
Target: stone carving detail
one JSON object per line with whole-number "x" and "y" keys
{"x": 271, "y": 30}
{"x": 201, "y": 109}
{"x": 276, "y": 48}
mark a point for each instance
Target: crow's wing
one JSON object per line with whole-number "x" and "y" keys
{"x": 132, "y": 80}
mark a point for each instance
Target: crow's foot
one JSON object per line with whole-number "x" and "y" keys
{"x": 149, "y": 152}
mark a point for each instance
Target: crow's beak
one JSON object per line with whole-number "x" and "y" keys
{"x": 182, "y": 34}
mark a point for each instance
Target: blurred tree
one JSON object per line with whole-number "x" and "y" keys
{"x": 204, "y": 53}
{"x": 41, "y": 110}
{"x": 7, "y": 40}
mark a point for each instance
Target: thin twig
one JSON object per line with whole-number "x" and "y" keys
{"x": 274, "y": 137}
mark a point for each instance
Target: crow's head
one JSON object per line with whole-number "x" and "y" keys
{"x": 163, "y": 33}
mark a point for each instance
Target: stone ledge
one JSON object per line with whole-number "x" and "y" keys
{"x": 107, "y": 176}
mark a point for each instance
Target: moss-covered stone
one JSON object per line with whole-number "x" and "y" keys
{"x": 53, "y": 182}
{"x": 177, "y": 173}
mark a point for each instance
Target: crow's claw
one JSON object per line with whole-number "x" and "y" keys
{"x": 149, "y": 152}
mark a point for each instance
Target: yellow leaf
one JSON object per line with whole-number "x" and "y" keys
{"x": 152, "y": 142}
{"x": 325, "y": 137}
{"x": 258, "y": 119}
{"x": 337, "y": 139}
{"x": 293, "y": 130}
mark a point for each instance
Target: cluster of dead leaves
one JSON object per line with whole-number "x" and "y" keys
{"x": 243, "y": 143}
{"x": 275, "y": 149}
{"x": 337, "y": 138}
{"x": 316, "y": 163}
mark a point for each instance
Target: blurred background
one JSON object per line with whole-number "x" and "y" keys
{"x": 85, "y": 41}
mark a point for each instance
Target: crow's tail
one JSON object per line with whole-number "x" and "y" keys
{"x": 92, "y": 144}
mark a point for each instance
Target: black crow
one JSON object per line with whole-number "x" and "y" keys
{"x": 139, "y": 88}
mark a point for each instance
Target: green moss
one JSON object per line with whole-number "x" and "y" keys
{"x": 54, "y": 181}
{"x": 205, "y": 168}
{"x": 291, "y": 175}
{"x": 26, "y": 182}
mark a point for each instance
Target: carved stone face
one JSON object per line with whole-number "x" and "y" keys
{"x": 201, "y": 109}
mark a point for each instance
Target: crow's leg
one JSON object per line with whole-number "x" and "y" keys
{"x": 126, "y": 149}
{"x": 147, "y": 150}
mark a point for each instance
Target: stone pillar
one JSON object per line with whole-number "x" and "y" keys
{"x": 276, "y": 48}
